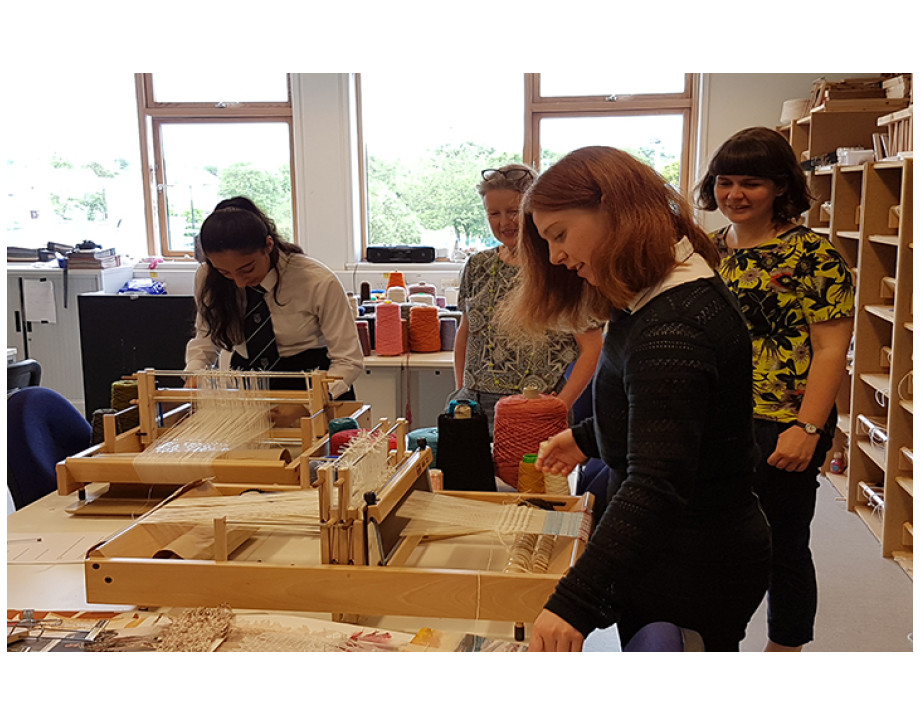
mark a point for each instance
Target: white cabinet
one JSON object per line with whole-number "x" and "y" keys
{"x": 418, "y": 382}
{"x": 55, "y": 345}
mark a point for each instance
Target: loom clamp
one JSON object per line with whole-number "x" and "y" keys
{"x": 542, "y": 503}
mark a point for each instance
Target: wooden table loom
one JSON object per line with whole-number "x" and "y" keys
{"x": 283, "y": 465}
{"x": 359, "y": 564}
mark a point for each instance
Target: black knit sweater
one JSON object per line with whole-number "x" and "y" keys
{"x": 673, "y": 421}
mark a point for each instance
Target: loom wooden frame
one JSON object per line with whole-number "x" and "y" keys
{"x": 359, "y": 587}
{"x": 112, "y": 461}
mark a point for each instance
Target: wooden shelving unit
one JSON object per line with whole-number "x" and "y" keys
{"x": 879, "y": 478}
{"x": 867, "y": 212}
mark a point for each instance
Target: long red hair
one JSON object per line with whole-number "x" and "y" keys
{"x": 646, "y": 215}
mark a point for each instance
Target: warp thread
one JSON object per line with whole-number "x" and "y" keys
{"x": 227, "y": 414}
{"x": 521, "y": 424}
{"x": 340, "y": 440}
{"x": 424, "y": 329}
{"x": 389, "y": 329}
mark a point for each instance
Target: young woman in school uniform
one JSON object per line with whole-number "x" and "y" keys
{"x": 305, "y": 305}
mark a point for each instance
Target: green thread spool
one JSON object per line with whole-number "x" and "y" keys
{"x": 339, "y": 424}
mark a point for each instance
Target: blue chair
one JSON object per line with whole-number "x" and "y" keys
{"x": 42, "y": 428}
{"x": 22, "y": 374}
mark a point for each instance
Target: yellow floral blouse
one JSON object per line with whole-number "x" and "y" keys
{"x": 783, "y": 286}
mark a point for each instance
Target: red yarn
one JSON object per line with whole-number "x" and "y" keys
{"x": 339, "y": 440}
{"x": 521, "y": 424}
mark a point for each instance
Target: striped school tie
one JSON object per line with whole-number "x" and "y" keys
{"x": 260, "y": 336}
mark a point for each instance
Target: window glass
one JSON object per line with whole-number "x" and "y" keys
{"x": 654, "y": 139}
{"x": 605, "y": 83}
{"x": 207, "y": 162}
{"x": 189, "y": 87}
{"x": 71, "y": 162}
{"x": 427, "y": 138}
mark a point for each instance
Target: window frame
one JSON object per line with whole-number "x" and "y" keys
{"x": 685, "y": 103}
{"x": 154, "y": 115}
{"x": 537, "y": 107}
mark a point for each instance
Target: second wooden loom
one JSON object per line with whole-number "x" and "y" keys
{"x": 282, "y": 465}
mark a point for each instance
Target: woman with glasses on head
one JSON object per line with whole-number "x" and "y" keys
{"x": 489, "y": 365}
{"x": 682, "y": 540}
{"x": 304, "y": 319}
{"x": 797, "y": 295}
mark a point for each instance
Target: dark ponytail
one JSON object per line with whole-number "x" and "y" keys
{"x": 235, "y": 225}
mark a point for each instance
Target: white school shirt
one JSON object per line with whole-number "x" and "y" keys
{"x": 312, "y": 311}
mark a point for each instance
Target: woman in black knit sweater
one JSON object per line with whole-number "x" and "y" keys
{"x": 682, "y": 539}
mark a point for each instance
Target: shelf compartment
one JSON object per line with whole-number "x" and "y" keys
{"x": 908, "y": 405}
{"x": 873, "y": 494}
{"x": 838, "y": 481}
{"x": 849, "y": 234}
{"x": 875, "y": 428}
{"x": 871, "y": 518}
{"x": 843, "y": 423}
{"x": 905, "y": 560}
{"x": 907, "y": 483}
{"x": 877, "y": 381}
{"x": 874, "y": 453}
{"x": 884, "y": 312}
{"x": 889, "y": 239}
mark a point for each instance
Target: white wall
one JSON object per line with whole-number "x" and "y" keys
{"x": 730, "y": 102}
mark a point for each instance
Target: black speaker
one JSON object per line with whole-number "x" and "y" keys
{"x": 397, "y": 254}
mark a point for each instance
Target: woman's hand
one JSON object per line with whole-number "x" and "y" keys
{"x": 794, "y": 449}
{"x": 560, "y": 454}
{"x": 551, "y": 633}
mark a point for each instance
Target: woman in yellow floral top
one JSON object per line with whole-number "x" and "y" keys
{"x": 797, "y": 295}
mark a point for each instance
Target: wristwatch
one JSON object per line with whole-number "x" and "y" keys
{"x": 809, "y": 428}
